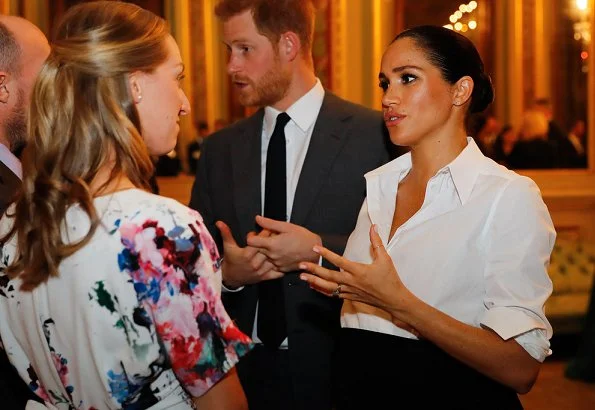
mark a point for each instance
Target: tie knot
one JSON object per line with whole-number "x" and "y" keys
{"x": 282, "y": 120}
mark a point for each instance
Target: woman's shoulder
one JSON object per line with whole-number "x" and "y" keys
{"x": 139, "y": 203}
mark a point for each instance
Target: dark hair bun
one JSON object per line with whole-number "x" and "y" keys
{"x": 483, "y": 93}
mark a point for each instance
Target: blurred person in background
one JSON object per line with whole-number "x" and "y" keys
{"x": 534, "y": 149}
{"x": 504, "y": 144}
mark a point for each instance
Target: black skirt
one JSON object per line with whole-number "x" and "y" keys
{"x": 380, "y": 371}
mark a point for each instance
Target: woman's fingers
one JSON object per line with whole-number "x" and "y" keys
{"x": 376, "y": 242}
{"x": 335, "y": 259}
{"x": 323, "y": 286}
{"x": 324, "y": 273}
{"x": 326, "y": 287}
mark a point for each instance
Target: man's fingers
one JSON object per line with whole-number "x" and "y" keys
{"x": 271, "y": 224}
{"x": 259, "y": 262}
{"x": 262, "y": 242}
{"x": 272, "y": 274}
{"x": 265, "y": 233}
{"x": 226, "y": 234}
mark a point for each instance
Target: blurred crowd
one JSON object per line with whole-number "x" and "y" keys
{"x": 539, "y": 142}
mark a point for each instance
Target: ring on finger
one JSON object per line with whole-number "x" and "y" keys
{"x": 337, "y": 291}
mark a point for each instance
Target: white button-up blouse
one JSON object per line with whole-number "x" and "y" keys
{"x": 477, "y": 249}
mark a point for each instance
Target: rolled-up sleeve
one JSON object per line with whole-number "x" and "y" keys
{"x": 520, "y": 236}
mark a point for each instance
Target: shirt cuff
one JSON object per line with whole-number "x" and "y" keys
{"x": 230, "y": 290}
{"x": 509, "y": 322}
{"x": 535, "y": 343}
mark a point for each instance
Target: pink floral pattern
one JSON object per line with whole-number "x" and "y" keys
{"x": 149, "y": 326}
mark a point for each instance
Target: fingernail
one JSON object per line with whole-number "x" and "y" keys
{"x": 303, "y": 277}
{"x": 316, "y": 249}
{"x": 375, "y": 228}
{"x": 302, "y": 266}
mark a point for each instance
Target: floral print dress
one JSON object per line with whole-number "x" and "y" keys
{"x": 133, "y": 321}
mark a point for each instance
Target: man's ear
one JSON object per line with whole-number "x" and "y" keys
{"x": 135, "y": 84}
{"x": 289, "y": 46}
{"x": 462, "y": 91}
{"x": 4, "y": 93}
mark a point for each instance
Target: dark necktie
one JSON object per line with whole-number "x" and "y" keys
{"x": 272, "y": 328}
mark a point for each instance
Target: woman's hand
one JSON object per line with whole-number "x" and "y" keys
{"x": 377, "y": 284}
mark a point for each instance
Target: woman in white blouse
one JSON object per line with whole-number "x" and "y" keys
{"x": 444, "y": 277}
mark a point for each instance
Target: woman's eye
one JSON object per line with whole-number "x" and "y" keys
{"x": 383, "y": 84}
{"x": 407, "y": 78}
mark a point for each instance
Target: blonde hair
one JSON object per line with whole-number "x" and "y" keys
{"x": 534, "y": 125}
{"x": 82, "y": 117}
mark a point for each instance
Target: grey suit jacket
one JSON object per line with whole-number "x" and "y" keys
{"x": 348, "y": 140}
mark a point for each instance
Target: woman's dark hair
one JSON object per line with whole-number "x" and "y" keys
{"x": 455, "y": 56}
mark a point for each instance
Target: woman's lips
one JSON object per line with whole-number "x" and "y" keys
{"x": 391, "y": 119}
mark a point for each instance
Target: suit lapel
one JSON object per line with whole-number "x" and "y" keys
{"x": 327, "y": 140}
{"x": 245, "y": 164}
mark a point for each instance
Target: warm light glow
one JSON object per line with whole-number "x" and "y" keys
{"x": 577, "y": 36}
{"x": 584, "y": 55}
{"x": 458, "y": 20}
{"x": 582, "y": 4}
{"x": 449, "y": 26}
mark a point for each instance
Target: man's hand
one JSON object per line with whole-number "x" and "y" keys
{"x": 287, "y": 246}
{"x": 244, "y": 266}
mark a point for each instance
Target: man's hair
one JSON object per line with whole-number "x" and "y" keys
{"x": 10, "y": 51}
{"x": 275, "y": 17}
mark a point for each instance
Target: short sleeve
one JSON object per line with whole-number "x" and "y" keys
{"x": 174, "y": 264}
{"x": 520, "y": 238}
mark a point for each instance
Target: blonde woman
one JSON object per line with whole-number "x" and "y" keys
{"x": 109, "y": 294}
{"x": 534, "y": 149}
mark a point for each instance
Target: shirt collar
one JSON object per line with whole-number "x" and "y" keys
{"x": 464, "y": 169}
{"x": 303, "y": 112}
{"x": 12, "y": 162}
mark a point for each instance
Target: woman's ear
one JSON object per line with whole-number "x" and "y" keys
{"x": 135, "y": 84}
{"x": 462, "y": 91}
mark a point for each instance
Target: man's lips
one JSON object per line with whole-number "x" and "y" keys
{"x": 240, "y": 83}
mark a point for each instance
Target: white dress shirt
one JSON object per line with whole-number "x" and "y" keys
{"x": 12, "y": 162}
{"x": 477, "y": 249}
{"x": 298, "y": 132}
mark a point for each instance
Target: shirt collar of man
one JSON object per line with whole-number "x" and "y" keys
{"x": 303, "y": 112}
{"x": 12, "y": 162}
{"x": 464, "y": 169}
